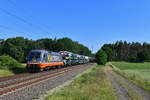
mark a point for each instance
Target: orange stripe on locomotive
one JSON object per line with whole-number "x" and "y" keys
{"x": 44, "y": 65}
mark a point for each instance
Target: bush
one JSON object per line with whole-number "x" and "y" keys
{"x": 101, "y": 57}
{"x": 7, "y": 62}
{"x": 109, "y": 52}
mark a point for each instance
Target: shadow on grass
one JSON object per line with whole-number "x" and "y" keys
{"x": 18, "y": 70}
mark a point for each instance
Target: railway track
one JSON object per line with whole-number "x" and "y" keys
{"x": 17, "y": 82}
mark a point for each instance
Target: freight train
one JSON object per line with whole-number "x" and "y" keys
{"x": 39, "y": 60}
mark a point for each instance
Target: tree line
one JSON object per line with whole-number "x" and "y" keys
{"x": 19, "y": 47}
{"x": 126, "y": 51}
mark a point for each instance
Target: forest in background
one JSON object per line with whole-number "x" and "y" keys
{"x": 128, "y": 51}
{"x": 19, "y": 47}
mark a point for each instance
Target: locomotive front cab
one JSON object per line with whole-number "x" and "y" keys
{"x": 38, "y": 60}
{"x": 34, "y": 60}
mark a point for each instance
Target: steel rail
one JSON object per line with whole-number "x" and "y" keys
{"x": 29, "y": 82}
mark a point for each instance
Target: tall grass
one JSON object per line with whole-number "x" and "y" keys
{"x": 93, "y": 85}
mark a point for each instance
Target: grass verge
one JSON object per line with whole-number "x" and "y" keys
{"x": 9, "y": 66}
{"x": 5, "y": 73}
{"x": 92, "y": 85}
{"x": 8, "y": 72}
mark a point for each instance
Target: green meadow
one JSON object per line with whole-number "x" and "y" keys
{"x": 141, "y": 70}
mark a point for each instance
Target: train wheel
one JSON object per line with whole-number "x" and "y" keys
{"x": 45, "y": 69}
{"x": 58, "y": 66}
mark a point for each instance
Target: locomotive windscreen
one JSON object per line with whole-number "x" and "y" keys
{"x": 34, "y": 56}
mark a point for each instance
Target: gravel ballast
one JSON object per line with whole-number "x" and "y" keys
{"x": 36, "y": 90}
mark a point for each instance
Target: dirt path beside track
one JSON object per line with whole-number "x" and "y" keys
{"x": 125, "y": 90}
{"x": 120, "y": 91}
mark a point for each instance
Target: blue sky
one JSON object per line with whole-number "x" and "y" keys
{"x": 91, "y": 22}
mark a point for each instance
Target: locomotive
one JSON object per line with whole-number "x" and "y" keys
{"x": 39, "y": 60}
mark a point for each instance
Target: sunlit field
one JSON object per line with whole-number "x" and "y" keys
{"x": 141, "y": 70}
